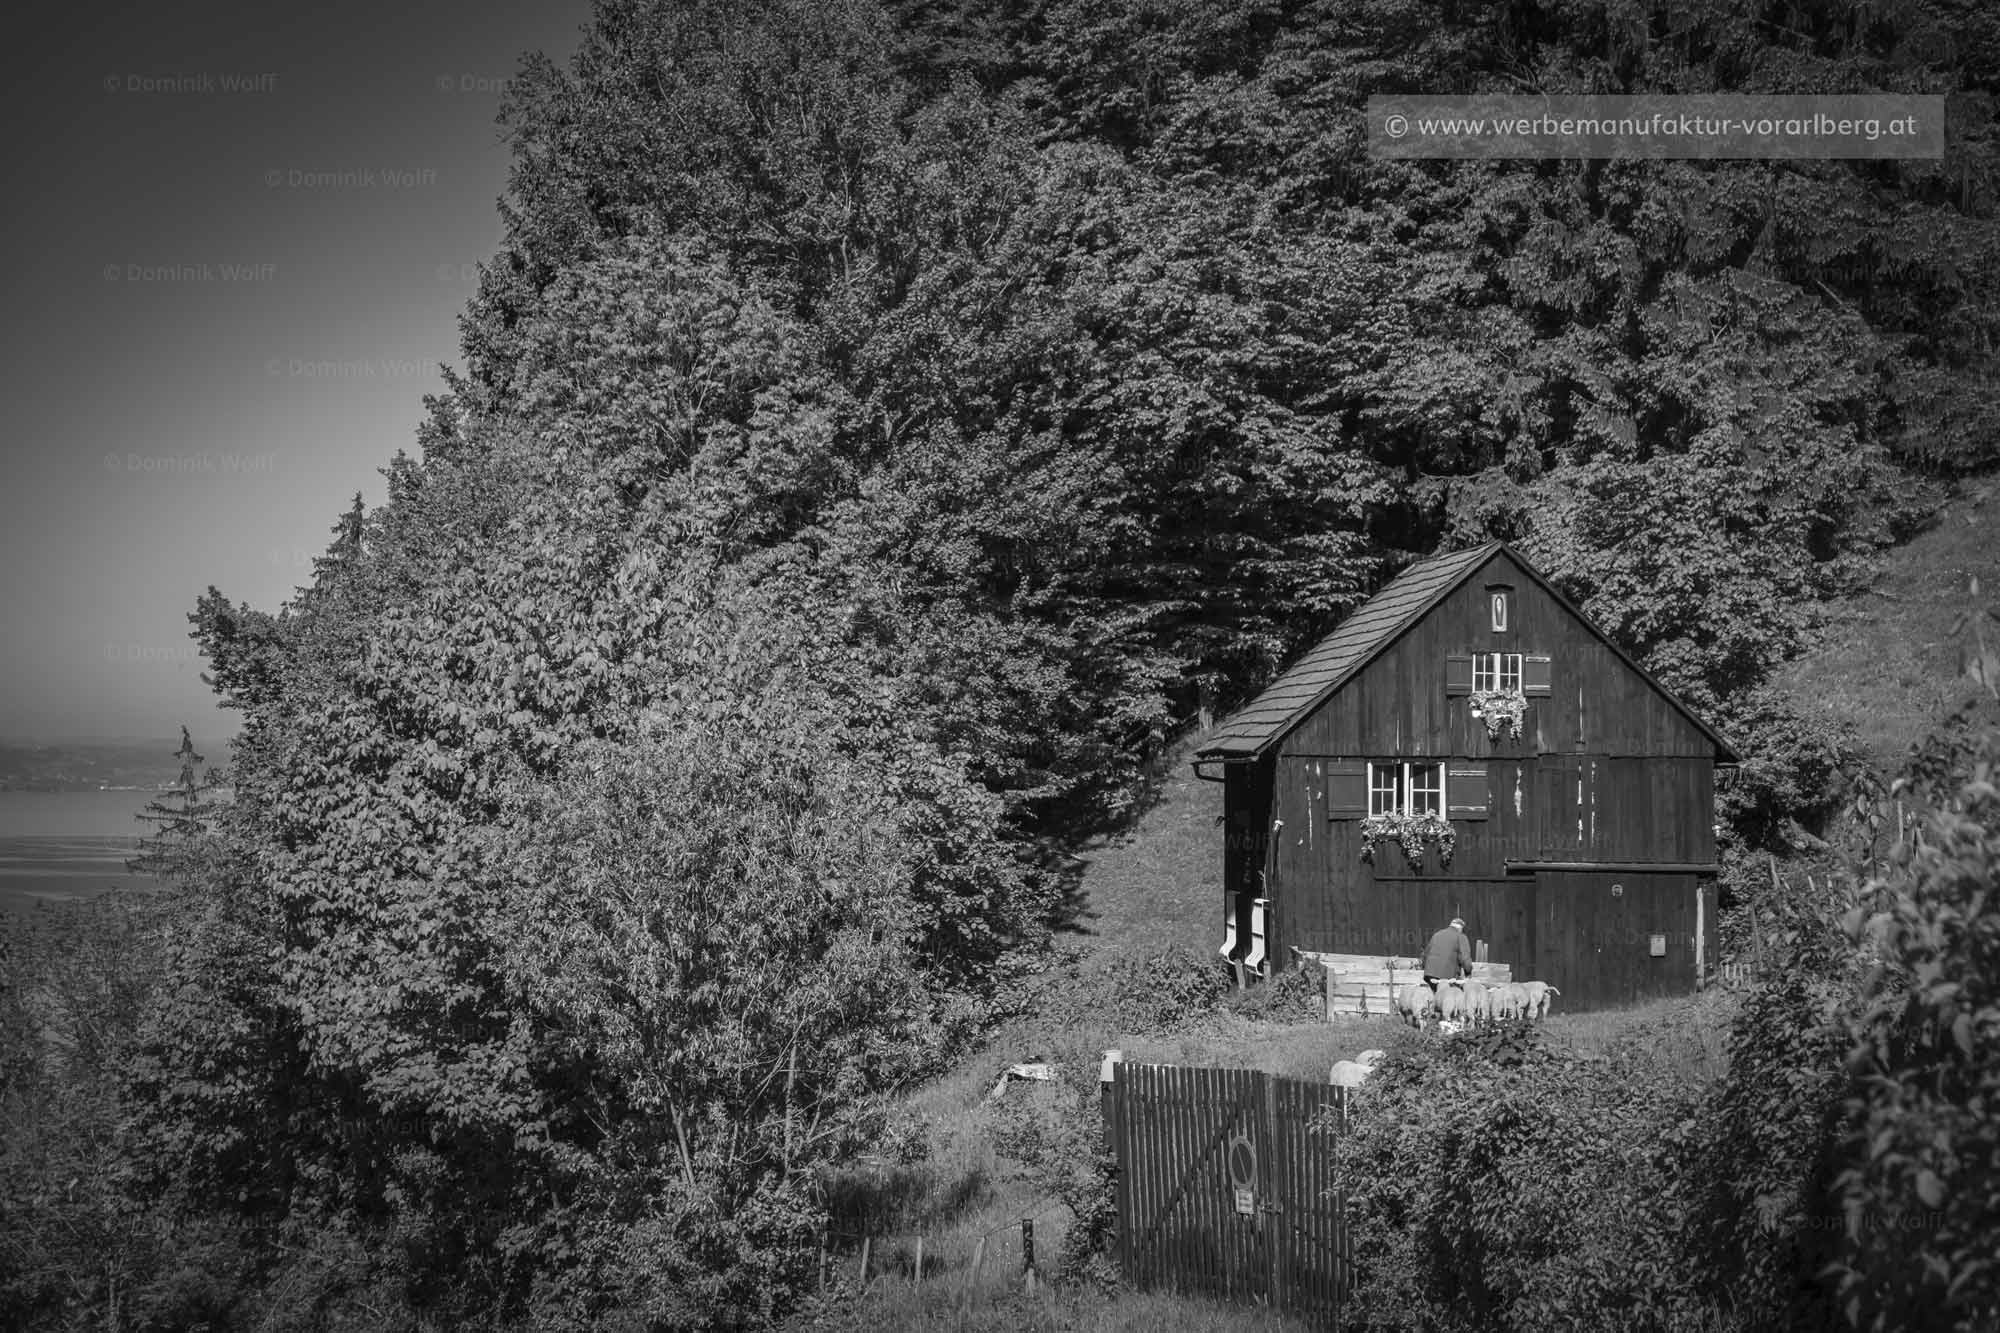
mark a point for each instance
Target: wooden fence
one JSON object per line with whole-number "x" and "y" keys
{"x": 1225, "y": 1186}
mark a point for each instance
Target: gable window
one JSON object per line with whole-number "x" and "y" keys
{"x": 1498, "y": 599}
{"x": 1496, "y": 671}
{"x": 1396, "y": 788}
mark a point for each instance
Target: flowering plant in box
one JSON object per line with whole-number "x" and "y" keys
{"x": 1413, "y": 832}
{"x": 1498, "y": 709}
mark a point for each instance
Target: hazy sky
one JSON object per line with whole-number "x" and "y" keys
{"x": 238, "y": 240}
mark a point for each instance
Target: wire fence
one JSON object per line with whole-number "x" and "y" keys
{"x": 855, "y": 1253}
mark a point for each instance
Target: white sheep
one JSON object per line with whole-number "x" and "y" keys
{"x": 1511, "y": 1001}
{"x": 1478, "y": 1001}
{"x": 1452, "y": 1004}
{"x": 1413, "y": 1003}
{"x": 1538, "y": 993}
{"x": 1353, "y": 1073}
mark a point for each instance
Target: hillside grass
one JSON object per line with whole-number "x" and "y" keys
{"x": 1891, "y": 663}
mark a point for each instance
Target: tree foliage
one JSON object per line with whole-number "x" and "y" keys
{"x": 181, "y": 818}
{"x": 883, "y": 428}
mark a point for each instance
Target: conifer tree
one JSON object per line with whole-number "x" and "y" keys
{"x": 180, "y": 815}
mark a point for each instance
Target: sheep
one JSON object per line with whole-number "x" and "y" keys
{"x": 1353, "y": 1073}
{"x": 1538, "y": 993}
{"x": 1511, "y": 1001}
{"x": 1478, "y": 1001}
{"x": 1452, "y": 1006}
{"x": 1350, "y": 1073}
{"x": 1413, "y": 1003}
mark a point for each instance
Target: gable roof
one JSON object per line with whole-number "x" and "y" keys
{"x": 1377, "y": 623}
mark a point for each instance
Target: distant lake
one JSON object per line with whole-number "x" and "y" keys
{"x": 63, "y": 845}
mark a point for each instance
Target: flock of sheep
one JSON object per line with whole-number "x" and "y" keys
{"x": 1455, "y": 1002}
{"x": 1473, "y": 1001}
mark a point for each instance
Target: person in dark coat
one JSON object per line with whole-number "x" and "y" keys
{"x": 1448, "y": 955}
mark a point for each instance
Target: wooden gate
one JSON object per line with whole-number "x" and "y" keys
{"x": 1225, "y": 1186}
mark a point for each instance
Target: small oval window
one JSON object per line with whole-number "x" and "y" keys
{"x": 1499, "y": 611}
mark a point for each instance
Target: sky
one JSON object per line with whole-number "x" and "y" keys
{"x": 240, "y": 237}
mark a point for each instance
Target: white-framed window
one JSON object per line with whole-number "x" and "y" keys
{"x": 1405, "y": 788}
{"x": 1426, "y": 788}
{"x": 1496, "y": 671}
{"x": 1386, "y": 788}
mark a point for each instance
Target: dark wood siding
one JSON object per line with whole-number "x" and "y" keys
{"x": 1607, "y": 769}
{"x": 1593, "y": 945}
{"x": 1398, "y": 704}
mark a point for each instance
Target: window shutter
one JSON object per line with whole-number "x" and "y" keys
{"x": 1347, "y": 789}
{"x": 1458, "y": 673}
{"x": 1465, "y": 792}
{"x": 1535, "y": 671}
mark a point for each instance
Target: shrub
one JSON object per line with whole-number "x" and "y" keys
{"x": 1495, "y": 1183}
{"x": 1059, "y": 1142}
{"x": 1295, "y": 995}
{"x": 1139, "y": 994}
{"x": 1920, "y": 1138}
{"x": 1750, "y": 1165}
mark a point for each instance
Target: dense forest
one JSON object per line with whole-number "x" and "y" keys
{"x": 885, "y": 429}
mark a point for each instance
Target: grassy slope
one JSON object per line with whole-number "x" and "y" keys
{"x": 1889, "y": 663}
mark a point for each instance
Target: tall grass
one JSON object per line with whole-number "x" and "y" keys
{"x": 1686, "y": 1037}
{"x": 1006, "y": 1307}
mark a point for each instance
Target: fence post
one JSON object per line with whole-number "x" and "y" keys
{"x": 978, "y": 1261}
{"x": 918, "y": 1279}
{"x": 861, "y": 1276}
{"x": 1273, "y": 1196}
{"x": 1112, "y": 1108}
{"x": 1028, "y": 1251}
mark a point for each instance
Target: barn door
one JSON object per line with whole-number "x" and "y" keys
{"x": 1567, "y": 921}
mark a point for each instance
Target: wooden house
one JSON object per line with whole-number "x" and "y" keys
{"x": 1582, "y": 851}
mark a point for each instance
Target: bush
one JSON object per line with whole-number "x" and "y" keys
{"x": 1059, "y": 1142}
{"x": 1132, "y": 993}
{"x": 1295, "y": 995}
{"x": 1498, "y": 1184}
{"x": 1921, "y": 1142}
{"x": 1750, "y": 1167}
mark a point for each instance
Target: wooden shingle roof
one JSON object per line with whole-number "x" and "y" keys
{"x": 1379, "y": 621}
